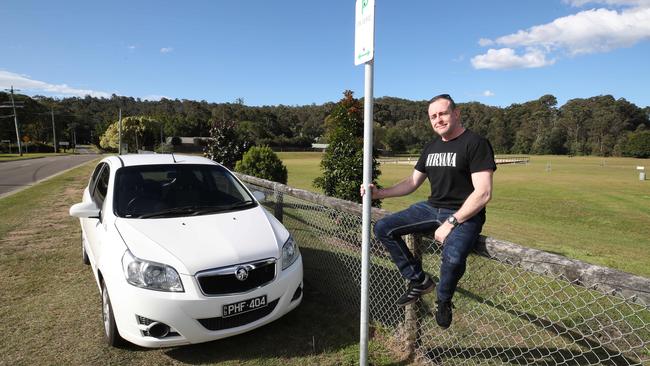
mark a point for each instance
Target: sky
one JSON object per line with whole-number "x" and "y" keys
{"x": 302, "y": 52}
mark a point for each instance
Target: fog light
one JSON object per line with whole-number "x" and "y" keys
{"x": 158, "y": 330}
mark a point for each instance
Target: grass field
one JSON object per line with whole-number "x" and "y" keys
{"x": 50, "y": 307}
{"x": 589, "y": 208}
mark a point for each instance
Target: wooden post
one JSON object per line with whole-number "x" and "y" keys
{"x": 279, "y": 200}
{"x": 414, "y": 243}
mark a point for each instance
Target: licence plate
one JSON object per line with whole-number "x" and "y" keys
{"x": 244, "y": 306}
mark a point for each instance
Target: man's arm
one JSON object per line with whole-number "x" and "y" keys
{"x": 402, "y": 188}
{"x": 474, "y": 203}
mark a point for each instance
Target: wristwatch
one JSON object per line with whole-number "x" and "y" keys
{"x": 453, "y": 221}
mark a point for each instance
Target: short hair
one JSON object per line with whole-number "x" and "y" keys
{"x": 452, "y": 104}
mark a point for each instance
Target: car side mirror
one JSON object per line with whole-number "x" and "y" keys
{"x": 88, "y": 210}
{"x": 260, "y": 196}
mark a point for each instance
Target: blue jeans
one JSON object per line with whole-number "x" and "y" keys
{"x": 422, "y": 217}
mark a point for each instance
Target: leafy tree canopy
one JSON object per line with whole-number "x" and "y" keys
{"x": 227, "y": 145}
{"x": 134, "y": 131}
{"x": 342, "y": 162}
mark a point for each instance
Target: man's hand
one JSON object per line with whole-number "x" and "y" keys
{"x": 442, "y": 232}
{"x": 373, "y": 191}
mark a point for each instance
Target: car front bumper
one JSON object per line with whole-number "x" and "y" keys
{"x": 135, "y": 309}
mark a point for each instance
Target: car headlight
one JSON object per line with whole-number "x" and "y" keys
{"x": 150, "y": 275}
{"x": 290, "y": 253}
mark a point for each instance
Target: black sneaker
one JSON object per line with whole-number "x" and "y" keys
{"x": 416, "y": 289}
{"x": 443, "y": 314}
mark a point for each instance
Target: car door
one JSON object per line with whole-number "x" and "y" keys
{"x": 93, "y": 227}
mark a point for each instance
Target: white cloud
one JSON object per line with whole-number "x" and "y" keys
{"x": 24, "y": 83}
{"x": 506, "y": 58}
{"x": 488, "y": 93}
{"x": 579, "y": 3}
{"x": 483, "y": 42}
{"x": 589, "y": 31}
{"x": 597, "y": 30}
{"x": 166, "y": 49}
{"x": 132, "y": 47}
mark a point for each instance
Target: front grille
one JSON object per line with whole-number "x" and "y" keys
{"x": 220, "y": 323}
{"x": 223, "y": 281}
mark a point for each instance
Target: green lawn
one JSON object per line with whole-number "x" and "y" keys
{"x": 50, "y": 312}
{"x": 589, "y": 208}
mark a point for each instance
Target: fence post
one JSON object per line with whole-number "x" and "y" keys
{"x": 414, "y": 243}
{"x": 279, "y": 201}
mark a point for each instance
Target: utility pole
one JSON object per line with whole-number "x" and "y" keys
{"x": 119, "y": 138}
{"x": 54, "y": 130}
{"x": 13, "y": 107}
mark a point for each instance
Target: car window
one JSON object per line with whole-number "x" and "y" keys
{"x": 177, "y": 190}
{"x": 93, "y": 177}
{"x": 101, "y": 186}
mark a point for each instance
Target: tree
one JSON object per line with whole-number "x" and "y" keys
{"x": 227, "y": 146}
{"x": 396, "y": 139}
{"x": 342, "y": 162}
{"x": 638, "y": 144}
{"x": 262, "y": 162}
{"x": 136, "y": 132}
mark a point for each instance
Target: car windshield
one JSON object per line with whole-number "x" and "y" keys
{"x": 156, "y": 191}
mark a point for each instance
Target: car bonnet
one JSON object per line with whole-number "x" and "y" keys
{"x": 203, "y": 242}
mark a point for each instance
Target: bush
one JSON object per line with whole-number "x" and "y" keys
{"x": 262, "y": 162}
{"x": 342, "y": 162}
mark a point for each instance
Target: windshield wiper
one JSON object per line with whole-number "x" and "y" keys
{"x": 185, "y": 210}
{"x": 219, "y": 208}
{"x": 196, "y": 210}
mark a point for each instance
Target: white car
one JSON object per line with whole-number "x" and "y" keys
{"x": 182, "y": 251}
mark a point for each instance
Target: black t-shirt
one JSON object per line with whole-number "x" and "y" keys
{"x": 450, "y": 164}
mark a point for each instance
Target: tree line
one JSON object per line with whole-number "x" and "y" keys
{"x": 600, "y": 125}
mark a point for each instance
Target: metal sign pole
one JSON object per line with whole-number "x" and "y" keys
{"x": 364, "y": 53}
{"x": 367, "y": 205}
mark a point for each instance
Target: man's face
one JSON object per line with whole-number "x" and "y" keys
{"x": 444, "y": 121}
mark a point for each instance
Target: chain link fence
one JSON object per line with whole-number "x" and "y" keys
{"x": 513, "y": 306}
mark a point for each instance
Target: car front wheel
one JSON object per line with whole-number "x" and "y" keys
{"x": 113, "y": 337}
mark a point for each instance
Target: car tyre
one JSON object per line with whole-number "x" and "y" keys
{"x": 84, "y": 254}
{"x": 113, "y": 337}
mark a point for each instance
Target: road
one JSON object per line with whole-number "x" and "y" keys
{"x": 19, "y": 174}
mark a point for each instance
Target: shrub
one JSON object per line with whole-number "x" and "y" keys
{"x": 262, "y": 162}
{"x": 343, "y": 159}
